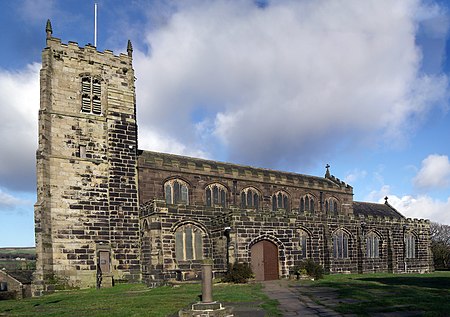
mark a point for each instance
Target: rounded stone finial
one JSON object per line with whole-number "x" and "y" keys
{"x": 48, "y": 29}
{"x": 129, "y": 49}
{"x": 386, "y": 199}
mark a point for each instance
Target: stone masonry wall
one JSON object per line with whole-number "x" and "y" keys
{"x": 86, "y": 169}
{"x": 281, "y": 227}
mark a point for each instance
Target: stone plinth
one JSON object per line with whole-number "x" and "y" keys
{"x": 207, "y": 307}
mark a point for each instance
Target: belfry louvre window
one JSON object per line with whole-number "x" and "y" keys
{"x": 372, "y": 246}
{"x": 188, "y": 243}
{"x": 176, "y": 192}
{"x": 216, "y": 195}
{"x": 250, "y": 198}
{"x": 91, "y": 95}
{"x": 410, "y": 246}
{"x": 340, "y": 244}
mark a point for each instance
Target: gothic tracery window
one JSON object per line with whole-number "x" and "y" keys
{"x": 372, "y": 245}
{"x": 91, "y": 95}
{"x": 410, "y": 246}
{"x": 340, "y": 244}
{"x": 188, "y": 243}
{"x": 250, "y": 198}
{"x": 332, "y": 206}
{"x": 307, "y": 203}
{"x": 176, "y": 192}
{"x": 303, "y": 243}
{"x": 216, "y": 195}
{"x": 280, "y": 200}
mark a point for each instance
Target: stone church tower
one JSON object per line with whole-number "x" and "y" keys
{"x": 87, "y": 214}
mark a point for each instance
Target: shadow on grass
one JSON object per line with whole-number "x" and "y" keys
{"x": 422, "y": 295}
{"x": 427, "y": 282}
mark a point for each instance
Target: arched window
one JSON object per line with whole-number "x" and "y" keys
{"x": 303, "y": 243}
{"x": 188, "y": 243}
{"x": 332, "y": 206}
{"x": 410, "y": 246}
{"x": 280, "y": 200}
{"x": 216, "y": 195}
{"x": 340, "y": 244}
{"x": 90, "y": 95}
{"x": 176, "y": 192}
{"x": 372, "y": 245}
{"x": 307, "y": 203}
{"x": 249, "y": 198}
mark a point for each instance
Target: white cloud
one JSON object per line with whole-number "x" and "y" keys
{"x": 9, "y": 202}
{"x": 19, "y": 102}
{"x": 355, "y": 175}
{"x": 418, "y": 207}
{"x": 434, "y": 173}
{"x": 287, "y": 83}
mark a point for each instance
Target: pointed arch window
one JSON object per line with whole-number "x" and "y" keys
{"x": 340, "y": 244}
{"x": 410, "y": 246}
{"x": 250, "y": 198}
{"x": 216, "y": 195}
{"x": 280, "y": 200}
{"x": 303, "y": 243}
{"x": 372, "y": 245}
{"x": 188, "y": 243}
{"x": 91, "y": 95}
{"x": 176, "y": 192}
{"x": 307, "y": 203}
{"x": 332, "y": 206}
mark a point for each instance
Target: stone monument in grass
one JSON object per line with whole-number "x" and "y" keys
{"x": 206, "y": 307}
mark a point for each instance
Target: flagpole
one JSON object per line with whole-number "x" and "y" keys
{"x": 95, "y": 24}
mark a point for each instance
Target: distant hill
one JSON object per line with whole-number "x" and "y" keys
{"x": 23, "y": 252}
{"x": 18, "y": 258}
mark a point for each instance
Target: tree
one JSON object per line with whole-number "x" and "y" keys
{"x": 440, "y": 245}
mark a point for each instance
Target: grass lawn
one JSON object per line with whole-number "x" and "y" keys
{"x": 130, "y": 300}
{"x": 428, "y": 293}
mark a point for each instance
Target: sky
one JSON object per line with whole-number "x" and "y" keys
{"x": 287, "y": 85}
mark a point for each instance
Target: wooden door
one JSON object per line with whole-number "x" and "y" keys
{"x": 264, "y": 260}
{"x": 104, "y": 261}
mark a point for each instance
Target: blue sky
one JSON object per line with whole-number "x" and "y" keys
{"x": 290, "y": 85}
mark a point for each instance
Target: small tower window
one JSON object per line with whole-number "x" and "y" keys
{"x": 91, "y": 95}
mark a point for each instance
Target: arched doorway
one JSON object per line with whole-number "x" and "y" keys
{"x": 264, "y": 260}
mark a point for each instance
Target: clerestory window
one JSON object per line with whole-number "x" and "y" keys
{"x": 332, "y": 206}
{"x": 250, "y": 198}
{"x": 216, "y": 195}
{"x": 176, "y": 192}
{"x": 280, "y": 200}
{"x": 91, "y": 95}
{"x": 307, "y": 203}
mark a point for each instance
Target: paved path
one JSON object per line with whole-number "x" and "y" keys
{"x": 292, "y": 303}
{"x": 296, "y": 300}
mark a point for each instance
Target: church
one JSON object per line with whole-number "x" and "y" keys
{"x": 104, "y": 205}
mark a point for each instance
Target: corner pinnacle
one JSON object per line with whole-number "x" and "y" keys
{"x": 129, "y": 49}
{"x": 48, "y": 29}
